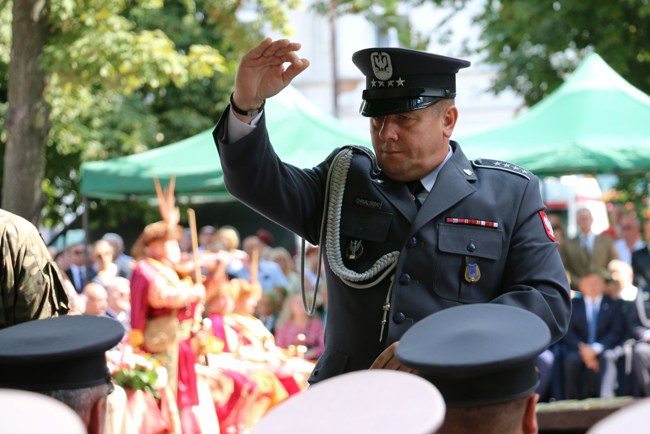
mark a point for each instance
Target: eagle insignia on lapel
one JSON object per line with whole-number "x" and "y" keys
{"x": 355, "y": 250}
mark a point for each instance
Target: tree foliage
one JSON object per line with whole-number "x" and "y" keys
{"x": 125, "y": 76}
{"x": 535, "y": 44}
{"x": 531, "y": 44}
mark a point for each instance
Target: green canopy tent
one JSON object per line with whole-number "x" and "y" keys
{"x": 594, "y": 123}
{"x": 302, "y": 135}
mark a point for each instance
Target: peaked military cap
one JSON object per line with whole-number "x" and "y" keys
{"x": 67, "y": 352}
{"x": 26, "y": 412}
{"x": 373, "y": 401}
{"x": 631, "y": 419}
{"x": 477, "y": 354}
{"x": 400, "y": 80}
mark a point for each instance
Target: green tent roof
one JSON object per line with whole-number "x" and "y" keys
{"x": 595, "y": 122}
{"x": 302, "y": 134}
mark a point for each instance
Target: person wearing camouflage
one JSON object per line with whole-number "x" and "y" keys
{"x": 30, "y": 284}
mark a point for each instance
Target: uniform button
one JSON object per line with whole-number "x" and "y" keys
{"x": 404, "y": 279}
{"x": 471, "y": 246}
{"x": 399, "y": 317}
{"x": 412, "y": 242}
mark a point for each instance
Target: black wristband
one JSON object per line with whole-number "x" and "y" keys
{"x": 250, "y": 114}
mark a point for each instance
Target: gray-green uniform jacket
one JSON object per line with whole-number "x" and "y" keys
{"x": 30, "y": 284}
{"x": 480, "y": 236}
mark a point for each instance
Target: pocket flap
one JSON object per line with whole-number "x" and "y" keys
{"x": 470, "y": 240}
{"x": 366, "y": 224}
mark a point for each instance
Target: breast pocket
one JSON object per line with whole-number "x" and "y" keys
{"x": 364, "y": 234}
{"x": 469, "y": 269}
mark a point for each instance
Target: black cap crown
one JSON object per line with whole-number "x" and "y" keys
{"x": 400, "y": 80}
{"x": 477, "y": 354}
{"x": 67, "y": 352}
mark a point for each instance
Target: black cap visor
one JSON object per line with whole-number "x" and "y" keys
{"x": 391, "y": 106}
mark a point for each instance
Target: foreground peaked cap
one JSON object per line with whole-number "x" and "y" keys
{"x": 400, "y": 80}
{"x": 66, "y": 352}
{"x": 362, "y": 402}
{"x": 632, "y": 419}
{"x": 27, "y": 412}
{"x": 477, "y": 354}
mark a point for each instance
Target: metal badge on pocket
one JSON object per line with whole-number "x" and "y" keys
{"x": 472, "y": 270}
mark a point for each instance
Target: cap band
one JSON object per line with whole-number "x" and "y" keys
{"x": 373, "y": 94}
{"x": 383, "y": 107}
{"x": 492, "y": 388}
{"x": 63, "y": 374}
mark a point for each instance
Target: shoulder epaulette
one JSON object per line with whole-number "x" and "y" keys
{"x": 501, "y": 165}
{"x": 360, "y": 149}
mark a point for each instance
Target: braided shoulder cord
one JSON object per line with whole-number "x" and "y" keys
{"x": 383, "y": 265}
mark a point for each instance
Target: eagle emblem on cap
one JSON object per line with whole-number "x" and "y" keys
{"x": 381, "y": 65}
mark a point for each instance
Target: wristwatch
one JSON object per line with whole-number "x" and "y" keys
{"x": 251, "y": 113}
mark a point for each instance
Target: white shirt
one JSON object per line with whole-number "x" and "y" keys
{"x": 623, "y": 252}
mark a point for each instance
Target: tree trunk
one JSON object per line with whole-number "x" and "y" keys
{"x": 27, "y": 120}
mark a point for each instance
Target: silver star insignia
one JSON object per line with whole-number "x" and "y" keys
{"x": 400, "y": 82}
{"x": 381, "y": 84}
{"x": 390, "y": 83}
{"x": 497, "y": 163}
{"x": 374, "y": 83}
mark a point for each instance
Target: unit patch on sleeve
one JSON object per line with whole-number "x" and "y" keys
{"x": 548, "y": 227}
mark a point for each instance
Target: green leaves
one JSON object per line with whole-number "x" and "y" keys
{"x": 125, "y": 76}
{"x": 535, "y": 44}
{"x": 138, "y": 378}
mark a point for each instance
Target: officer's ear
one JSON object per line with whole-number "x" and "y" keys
{"x": 529, "y": 423}
{"x": 96, "y": 418}
{"x": 449, "y": 118}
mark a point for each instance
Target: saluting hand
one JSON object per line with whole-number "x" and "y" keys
{"x": 262, "y": 72}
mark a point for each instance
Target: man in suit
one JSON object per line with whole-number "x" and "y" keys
{"x": 597, "y": 324}
{"x": 630, "y": 240}
{"x": 475, "y": 231}
{"x": 587, "y": 250}
{"x": 79, "y": 272}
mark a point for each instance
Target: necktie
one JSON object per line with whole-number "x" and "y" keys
{"x": 584, "y": 240}
{"x": 78, "y": 277}
{"x": 416, "y": 188}
{"x": 593, "y": 324}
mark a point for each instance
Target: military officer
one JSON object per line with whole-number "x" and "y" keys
{"x": 64, "y": 358}
{"x": 486, "y": 372}
{"x": 474, "y": 231}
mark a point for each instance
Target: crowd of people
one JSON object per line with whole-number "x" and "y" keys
{"x": 605, "y": 350}
{"x": 245, "y": 317}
